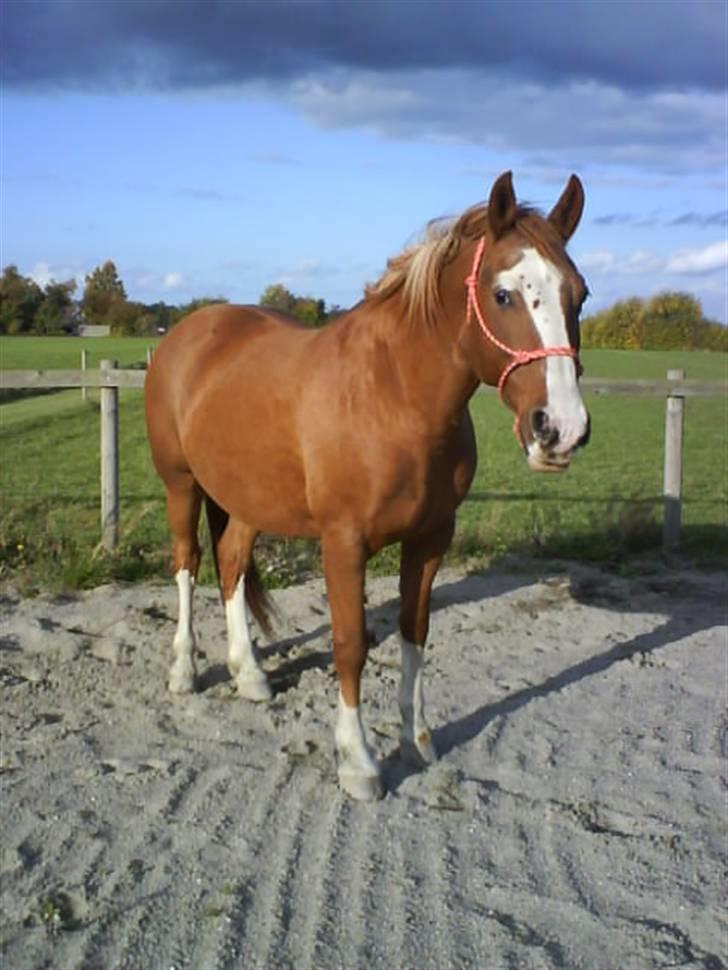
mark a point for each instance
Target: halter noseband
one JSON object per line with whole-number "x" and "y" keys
{"x": 519, "y": 357}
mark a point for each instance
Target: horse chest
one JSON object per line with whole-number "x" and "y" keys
{"x": 422, "y": 490}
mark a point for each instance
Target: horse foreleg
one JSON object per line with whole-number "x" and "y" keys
{"x": 420, "y": 561}
{"x": 234, "y": 553}
{"x": 344, "y": 564}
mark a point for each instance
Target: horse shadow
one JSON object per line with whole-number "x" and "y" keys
{"x": 586, "y": 585}
{"x": 382, "y": 621}
{"x": 584, "y": 588}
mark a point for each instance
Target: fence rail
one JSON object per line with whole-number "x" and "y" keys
{"x": 28, "y": 379}
{"x": 108, "y": 379}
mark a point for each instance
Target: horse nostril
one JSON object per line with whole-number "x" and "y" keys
{"x": 539, "y": 421}
{"x": 544, "y": 434}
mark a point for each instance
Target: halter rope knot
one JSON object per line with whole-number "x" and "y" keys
{"x": 519, "y": 357}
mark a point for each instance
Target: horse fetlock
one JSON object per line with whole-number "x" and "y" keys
{"x": 416, "y": 748}
{"x": 253, "y": 685}
{"x": 182, "y": 677}
{"x": 362, "y": 787}
{"x": 358, "y": 770}
{"x": 182, "y": 674}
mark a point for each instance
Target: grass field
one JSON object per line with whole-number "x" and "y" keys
{"x": 64, "y": 353}
{"x": 607, "y": 507}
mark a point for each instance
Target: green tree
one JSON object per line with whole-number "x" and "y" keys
{"x": 53, "y": 314}
{"x": 20, "y": 298}
{"x": 712, "y": 336}
{"x": 186, "y": 308}
{"x": 278, "y": 297}
{"x": 307, "y": 309}
{"x": 615, "y": 327}
{"x": 670, "y": 321}
{"x": 128, "y": 319}
{"x": 164, "y": 315}
{"x": 103, "y": 289}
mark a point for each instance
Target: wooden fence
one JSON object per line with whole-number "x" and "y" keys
{"x": 108, "y": 379}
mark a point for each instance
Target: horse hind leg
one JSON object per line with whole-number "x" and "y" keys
{"x": 183, "y": 510}
{"x": 234, "y": 557}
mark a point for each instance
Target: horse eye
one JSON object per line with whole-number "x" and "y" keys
{"x": 502, "y": 297}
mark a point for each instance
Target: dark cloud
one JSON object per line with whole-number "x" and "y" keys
{"x": 624, "y": 219}
{"x": 162, "y": 45}
{"x": 614, "y": 219}
{"x": 701, "y": 220}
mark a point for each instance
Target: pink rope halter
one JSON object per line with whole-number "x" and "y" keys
{"x": 518, "y": 357}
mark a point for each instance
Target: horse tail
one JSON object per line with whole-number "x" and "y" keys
{"x": 257, "y": 598}
{"x": 217, "y": 519}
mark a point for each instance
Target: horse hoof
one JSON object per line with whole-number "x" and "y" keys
{"x": 255, "y": 689}
{"x": 363, "y": 788}
{"x": 417, "y": 754}
{"x": 181, "y": 681}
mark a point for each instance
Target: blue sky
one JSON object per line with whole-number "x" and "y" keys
{"x": 214, "y": 148}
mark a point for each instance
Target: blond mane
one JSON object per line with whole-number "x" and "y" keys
{"x": 415, "y": 272}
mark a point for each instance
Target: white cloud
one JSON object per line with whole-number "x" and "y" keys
{"x": 173, "y": 281}
{"x": 45, "y": 273}
{"x": 155, "y": 282}
{"x": 702, "y": 260}
{"x": 665, "y": 131}
{"x": 698, "y": 261}
{"x": 615, "y": 276}
{"x": 597, "y": 260}
{"x": 42, "y": 274}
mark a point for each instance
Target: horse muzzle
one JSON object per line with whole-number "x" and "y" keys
{"x": 549, "y": 447}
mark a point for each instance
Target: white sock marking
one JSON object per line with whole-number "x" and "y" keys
{"x": 182, "y": 673}
{"x": 242, "y": 662}
{"x": 411, "y": 697}
{"x": 355, "y": 757}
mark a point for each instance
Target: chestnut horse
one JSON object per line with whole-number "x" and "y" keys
{"x": 359, "y": 434}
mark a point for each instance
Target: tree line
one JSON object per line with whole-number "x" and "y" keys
{"x": 27, "y": 308}
{"x": 667, "y": 321}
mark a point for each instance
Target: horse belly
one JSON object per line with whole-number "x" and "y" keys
{"x": 253, "y": 472}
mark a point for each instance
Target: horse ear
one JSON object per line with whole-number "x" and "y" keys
{"x": 565, "y": 215}
{"x": 502, "y": 206}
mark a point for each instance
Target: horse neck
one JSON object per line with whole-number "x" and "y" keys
{"x": 435, "y": 377}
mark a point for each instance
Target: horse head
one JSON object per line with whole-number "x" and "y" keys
{"x": 524, "y": 296}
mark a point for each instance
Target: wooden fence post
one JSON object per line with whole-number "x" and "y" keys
{"x": 84, "y": 366}
{"x": 109, "y": 462}
{"x": 674, "y": 421}
{"x": 150, "y": 351}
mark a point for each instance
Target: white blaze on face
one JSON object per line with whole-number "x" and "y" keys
{"x": 539, "y": 283}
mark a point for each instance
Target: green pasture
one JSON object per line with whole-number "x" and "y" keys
{"x": 699, "y": 365}
{"x": 607, "y": 507}
{"x": 64, "y": 353}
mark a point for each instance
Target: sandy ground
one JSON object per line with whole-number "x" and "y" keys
{"x": 577, "y": 817}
